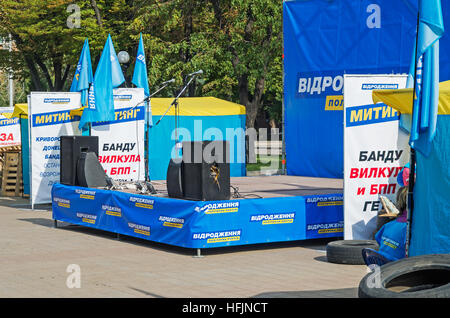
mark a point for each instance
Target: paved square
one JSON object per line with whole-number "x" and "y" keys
{"x": 35, "y": 258}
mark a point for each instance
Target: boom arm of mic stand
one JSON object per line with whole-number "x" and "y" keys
{"x": 146, "y": 99}
{"x": 175, "y": 100}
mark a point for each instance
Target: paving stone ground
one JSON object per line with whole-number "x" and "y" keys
{"x": 35, "y": 258}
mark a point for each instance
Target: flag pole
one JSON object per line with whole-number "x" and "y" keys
{"x": 412, "y": 160}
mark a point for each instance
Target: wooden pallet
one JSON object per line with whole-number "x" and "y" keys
{"x": 12, "y": 184}
{"x": 4, "y": 150}
{"x": 10, "y": 149}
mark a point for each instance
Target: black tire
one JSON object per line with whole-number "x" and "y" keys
{"x": 348, "y": 251}
{"x": 425, "y": 276}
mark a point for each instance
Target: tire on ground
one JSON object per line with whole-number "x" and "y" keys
{"x": 425, "y": 276}
{"x": 348, "y": 251}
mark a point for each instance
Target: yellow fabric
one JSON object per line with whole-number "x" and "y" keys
{"x": 401, "y": 99}
{"x": 20, "y": 111}
{"x": 196, "y": 106}
{"x": 7, "y": 115}
{"x": 77, "y": 112}
{"x": 188, "y": 106}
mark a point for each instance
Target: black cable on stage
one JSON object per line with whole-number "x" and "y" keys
{"x": 238, "y": 195}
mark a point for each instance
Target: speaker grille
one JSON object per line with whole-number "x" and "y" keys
{"x": 70, "y": 151}
{"x": 206, "y": 170}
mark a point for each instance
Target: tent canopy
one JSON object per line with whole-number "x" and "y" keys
{"x": 20, "y": 111}
{"x": 197, "y": 106}
{"x": 401, "y": 99}
{"x": 189, "y": 106}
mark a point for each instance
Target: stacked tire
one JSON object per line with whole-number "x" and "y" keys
{"x": 348, "y": 251}
{"x": 425, "y": 276}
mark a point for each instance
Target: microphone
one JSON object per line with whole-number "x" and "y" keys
{"x": 168, "y": 82}
{"x": 196, "y": 73}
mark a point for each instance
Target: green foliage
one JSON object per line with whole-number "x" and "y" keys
{"x": 238, "y": 44}
{"x": 21, "y": 87}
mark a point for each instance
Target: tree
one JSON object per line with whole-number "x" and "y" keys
{"x": 236, "y": 42}
{"x": 47, "y": 43}
{"x": 169, "y": 30}
{"x": 251, "y": 30}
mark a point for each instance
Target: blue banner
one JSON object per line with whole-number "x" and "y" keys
{"x": 200, "y": 224}
{"x": 9, "y": 121}
{"x": 325, "y": 216}
{"x": 124, "y": 115}
{"x": 370, "y": 114}
{"x": 53, "y": 118}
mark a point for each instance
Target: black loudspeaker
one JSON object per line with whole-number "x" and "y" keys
{"x": 175, "y": 179}
{"x": 90, "y": 172}
{"x": 206, "y": 170}
{"x": 71, "y": 148}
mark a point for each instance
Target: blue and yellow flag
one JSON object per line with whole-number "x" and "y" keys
{"x": 108, "y": 75}
{"x": 425, "y": 109}
{"x": 83, "y": 75}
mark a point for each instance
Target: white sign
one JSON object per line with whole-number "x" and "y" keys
{"x": 9, "y": 129}
{"x": 121, "y": 142}
{"x": 375, "y": 150}
{"x": 48, "y": 119}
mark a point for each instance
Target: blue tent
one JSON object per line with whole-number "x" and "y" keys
{"x": 200, "y": 118}
{"x": 431, "y": 214}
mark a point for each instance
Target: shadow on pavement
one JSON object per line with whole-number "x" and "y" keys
{"x": 23, "y": 204}
{"x": 328, "y": 293}
{"x": 39, "y": 221}
{"x": 314, "y": 244}
{"x": 146, "y": 293}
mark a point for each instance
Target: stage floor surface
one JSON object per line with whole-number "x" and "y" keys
{"x": 273, "y": 186}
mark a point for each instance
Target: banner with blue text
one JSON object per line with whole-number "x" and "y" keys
{"x": 200, "y": 224}
{"x": 49, "y": 118}
{"x": 375, "y": 150}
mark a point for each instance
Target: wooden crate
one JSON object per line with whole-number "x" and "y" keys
{"x": 4, "y": 150}
{"x": 12, "y": 184}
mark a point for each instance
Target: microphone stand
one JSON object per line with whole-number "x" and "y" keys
{"x": 175, "y": 103}
{"x": 147, "y": 113}
{"x": 146, "y": 99}
{"x": 148, "y": 186}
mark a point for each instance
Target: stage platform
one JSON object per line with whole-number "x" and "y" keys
{"x": 262, "y": 209}
{"x": 274, "y": 186}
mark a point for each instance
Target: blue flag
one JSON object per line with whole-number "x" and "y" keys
{"x": 405, "y": 119}
{"x": 108, "y": 75}
{"x": 83, "y": 75}
{"x": 424, "y": 113}
{"x": 140, "y": 69}
{"x": 140, "y": 73}
{"x": 117, "y": 77}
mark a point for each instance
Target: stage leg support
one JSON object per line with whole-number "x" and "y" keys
{"x": 199, "y": 253}
{"x": 55, "y": 223}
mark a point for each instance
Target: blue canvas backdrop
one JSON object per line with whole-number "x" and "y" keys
{"x": 324, "y": 40}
